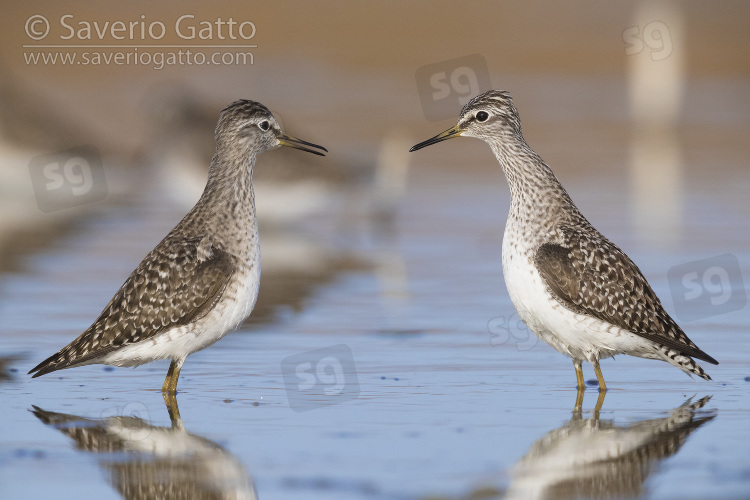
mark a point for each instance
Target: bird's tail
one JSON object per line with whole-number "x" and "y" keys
{"x": 57, "y": 361}
{"x": 683, "y": 362}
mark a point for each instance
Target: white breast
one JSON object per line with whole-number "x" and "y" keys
{"x": 228, "y": 314}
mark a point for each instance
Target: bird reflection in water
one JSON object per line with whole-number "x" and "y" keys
{"x": 148, "y": 461}
{"x": 593, "y": 458}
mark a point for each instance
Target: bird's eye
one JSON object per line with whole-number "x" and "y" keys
{"x": 483, "y": 116}
{"x": 264, "y": 125}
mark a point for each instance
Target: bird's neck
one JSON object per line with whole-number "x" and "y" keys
{"x": 227, "y": 205}
{"x": 536, "y": 194}
{"x": 230, "y": 182}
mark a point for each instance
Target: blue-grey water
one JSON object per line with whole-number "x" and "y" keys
{"x": 434, "y": 389}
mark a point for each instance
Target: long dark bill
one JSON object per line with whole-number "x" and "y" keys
{"x": 292, "y": 142}
{"x": 443, "y": 136}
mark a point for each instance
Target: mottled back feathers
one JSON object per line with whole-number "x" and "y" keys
{"x": 590, "y": 275}
{"x": 177, "y": 283}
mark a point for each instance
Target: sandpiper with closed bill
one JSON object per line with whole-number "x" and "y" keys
{"x": 201, "y": 281}
{"x": 571, "y": 286}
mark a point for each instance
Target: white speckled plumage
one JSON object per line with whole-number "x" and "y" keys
{"x": 201, "y": 281}
{"x": 571, "y": 286}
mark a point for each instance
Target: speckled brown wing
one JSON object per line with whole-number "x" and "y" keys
{"x": 590, "y": 275}
{"x": 177, "y": 283}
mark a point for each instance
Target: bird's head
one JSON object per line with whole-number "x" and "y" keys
{"x": 249, "y": 126}
{"x": 488, "y": 116}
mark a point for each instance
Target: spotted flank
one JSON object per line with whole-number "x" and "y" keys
{"x": 176, "y": 284}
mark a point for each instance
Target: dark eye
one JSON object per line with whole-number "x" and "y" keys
{"x": 264, "y": 125}
{"x": 483, "y": 116}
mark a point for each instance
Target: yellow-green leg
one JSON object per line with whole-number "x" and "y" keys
{"x": 579, "y": 374}
{"x": 599, "y": 377}
{"x": 581, "y": 386}
{"x": 173, "y": 374}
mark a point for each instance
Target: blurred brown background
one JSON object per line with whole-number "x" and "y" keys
{"x": 343, "y": 71}
{"x": 343, "y": 74}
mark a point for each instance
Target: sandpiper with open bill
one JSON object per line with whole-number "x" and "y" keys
{"x": 201, "y": 280}
{"x": 571, "y": 286}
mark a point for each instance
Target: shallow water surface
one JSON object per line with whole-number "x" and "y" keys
{"x": 390, "y": 366}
